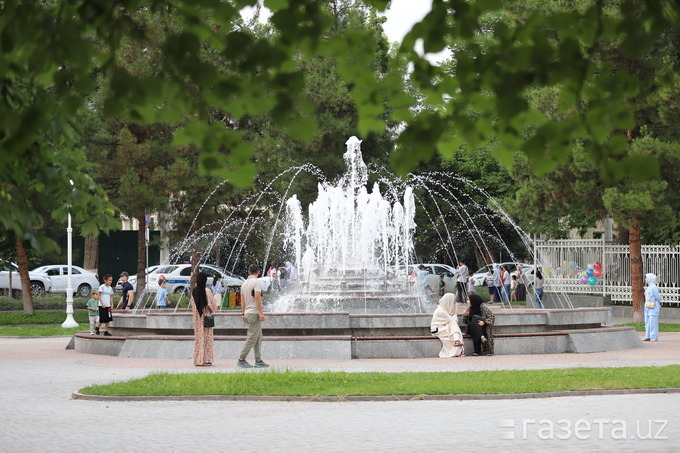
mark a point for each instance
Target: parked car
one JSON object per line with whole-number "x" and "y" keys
{"x": 478, "y": 276}
{"x": 179, "y": 276}
{"x": 82, "y": 281}
{"x": 133, "y": 279}
{"x": 434, "y": 271}
{"x": 40, "y": 283}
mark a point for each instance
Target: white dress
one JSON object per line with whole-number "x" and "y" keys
{"x": 448, "y": 333}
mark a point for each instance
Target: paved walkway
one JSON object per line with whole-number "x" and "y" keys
{"x": 37, "y": 413}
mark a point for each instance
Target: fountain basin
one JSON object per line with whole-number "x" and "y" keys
{"x": 344, "y": 336}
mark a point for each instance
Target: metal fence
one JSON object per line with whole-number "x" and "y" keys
{"x": 565, "y": 261}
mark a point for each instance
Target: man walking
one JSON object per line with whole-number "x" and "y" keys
{"x": 251, "y": 309}
{"x": 128, "y": 296}
{"x": 461, "y": 280}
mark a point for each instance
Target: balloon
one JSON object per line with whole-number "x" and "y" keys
{"x": 584, "y": 279}
{"x": 598, "y": 265}
{"x": 597, "y": 273}
{"x": 592, "y": 281}
{"x": 590, "y": 266}
{"x": 590, "y": 272}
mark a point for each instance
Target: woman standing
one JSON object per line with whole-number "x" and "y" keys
{"x": 538, "y": 287}
{"x": 218, "y": 290}
{"x": 479, "y": 320}
{"x": 445, "y": 327}
{"x": 202, "y": 304}
{"x": 521, "y": 284}
{"x": 652, "y": 309}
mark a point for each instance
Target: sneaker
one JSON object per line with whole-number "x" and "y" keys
{"x": 96, "y": 330}
{"x": 261, "y": 364}
{"x": 243, "y": 364}
{"x": 107, "y": 334}
{"x": 92, "y": 332}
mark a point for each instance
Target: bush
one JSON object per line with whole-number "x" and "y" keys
{"x": 49, "y": 302}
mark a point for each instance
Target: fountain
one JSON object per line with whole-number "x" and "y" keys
{"x": 354, "y": 298}
{"x": 354, "y": 250}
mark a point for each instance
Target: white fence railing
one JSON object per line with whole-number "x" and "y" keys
{"x": 564, "y": 261}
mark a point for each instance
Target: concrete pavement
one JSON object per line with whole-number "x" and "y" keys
{"x": 38, "y": 414}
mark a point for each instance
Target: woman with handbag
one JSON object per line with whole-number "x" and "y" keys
{"x": 203, "y": 306}
{"x": 652, "y": 309}
{"x": 445, "y": 327}
{"x": 479, "y": 320}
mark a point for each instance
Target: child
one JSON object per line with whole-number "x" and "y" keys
{"x": 513, "y": 289}
{"x": 93, "y": 310}
{"x": 471, "y": 285}
{"x": 162, "y": 294}
{"x": 442, "y": 286}
{"x": 105, "y": 303}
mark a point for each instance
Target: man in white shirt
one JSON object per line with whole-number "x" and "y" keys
{"x": 251, "y": 309}
{"x": 105, "y": 297}
{"x": 461, "y": 280}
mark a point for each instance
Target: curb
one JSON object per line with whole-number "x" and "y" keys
{"x": 351, "y": 398}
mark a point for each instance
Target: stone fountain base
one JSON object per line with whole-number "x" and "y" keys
{"x": 344, "y": 336}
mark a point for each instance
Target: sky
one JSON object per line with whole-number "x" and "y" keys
{"x": 401, "y": 16}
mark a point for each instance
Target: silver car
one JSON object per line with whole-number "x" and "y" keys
{"x": 40, "y": 283}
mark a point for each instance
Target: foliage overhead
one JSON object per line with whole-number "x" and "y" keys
{"x": 55, "y": 51}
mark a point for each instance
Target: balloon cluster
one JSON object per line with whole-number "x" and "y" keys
{"x": 592, "y": 274}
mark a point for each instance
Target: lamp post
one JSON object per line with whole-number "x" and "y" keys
{"x": 70, "y": 322}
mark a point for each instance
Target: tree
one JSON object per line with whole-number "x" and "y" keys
{"x": 51, "y": 50}
{"x": 639, "y": 203}
{"x": 632, "y": 191}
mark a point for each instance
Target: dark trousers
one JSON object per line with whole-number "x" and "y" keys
{"x": 461, "y": 296}
{"x": 476, "y": 332}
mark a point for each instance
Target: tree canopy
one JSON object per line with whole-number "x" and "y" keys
{"x": 54, "y": 52}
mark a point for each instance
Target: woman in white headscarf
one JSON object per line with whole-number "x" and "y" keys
{"x": 652, "y": 309}
{"x": 445, "y": 327}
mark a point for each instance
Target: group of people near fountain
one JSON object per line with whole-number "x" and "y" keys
{"x": 477, "y": 317}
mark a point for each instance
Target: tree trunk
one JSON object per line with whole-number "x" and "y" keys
{"x": 91, "y": 252}
{"x": 141, "y": 258}
{"x": 636, "y": 271}
{"x": 22, "y": 261}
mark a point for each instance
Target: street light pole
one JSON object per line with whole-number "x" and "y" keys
{"x": 70, "y": 322}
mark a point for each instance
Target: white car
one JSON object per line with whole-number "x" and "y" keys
{"x": 434, "y": 271}
{"x": 480, "y": 274}
{"x": 179, "y": 277}
{"x": 40, "y": 283}
{"x": 82, "y": 281}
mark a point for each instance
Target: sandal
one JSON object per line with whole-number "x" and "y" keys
{"x": 458, "y": 344}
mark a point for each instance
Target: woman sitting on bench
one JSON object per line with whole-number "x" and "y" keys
{"x": 445, "y": 327}
{"x": 479, "y": 320}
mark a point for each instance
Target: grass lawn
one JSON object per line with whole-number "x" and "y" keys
{"x": 640, "y": 327}
{"x": 304, "y": 383}
{"x": 41, "y": 317}
{"x": 41, "y": 330}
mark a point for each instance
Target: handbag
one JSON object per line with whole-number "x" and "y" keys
{"x": 477, "y": 318}
{"x": 209, "y": 321}
{"x": 650, "y": 304}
